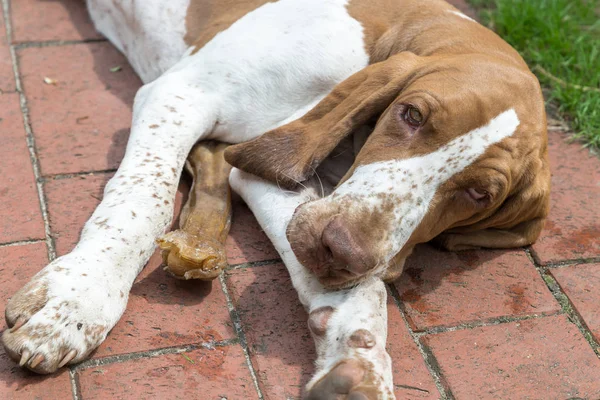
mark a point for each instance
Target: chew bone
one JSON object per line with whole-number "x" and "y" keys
{"x": 197, "y": 249}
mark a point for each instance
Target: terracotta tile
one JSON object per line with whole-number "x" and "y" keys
{"x": 20, "y": 215}
{"x": 274, "y": 321}
{"x": 581, "y": 283}
{"x": 411, "y": 377}
{"x": 17, "y": 265}
{"x": 163, "y": 312}
{"x": 247, "y": 242}
{"x": 42, "y": 20}
{"x": 82, "y": 122}
{"x": 441, "y": 288}
{"x": 216, "y": 374}
{"x": 572, "y": 230}
{"x": 7, "y": 77}
{"x": 545, "y": 358}
{"x": 282, "y": 349}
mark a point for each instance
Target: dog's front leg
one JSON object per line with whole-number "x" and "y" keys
{"x": 67, "y": 309}
{"x": 349, "y": 326}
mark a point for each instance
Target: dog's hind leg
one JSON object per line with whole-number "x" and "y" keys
{"x": 197, "y": 249}
{"x": 349, "y": 326}
{"x": 67, "y": 309}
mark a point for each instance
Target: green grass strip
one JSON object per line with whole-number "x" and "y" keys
{"x": 560, "y": 40}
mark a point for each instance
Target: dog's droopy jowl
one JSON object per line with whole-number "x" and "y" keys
{"x": 357, "y": 129}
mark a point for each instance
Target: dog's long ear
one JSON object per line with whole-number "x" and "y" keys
{"x": 517, "y": 223}
{"x": 290, "y": 153}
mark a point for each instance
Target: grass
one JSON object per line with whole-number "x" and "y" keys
{"x": 560, "y": 40}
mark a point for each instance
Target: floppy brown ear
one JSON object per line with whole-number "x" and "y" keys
{"x": 517, "y": 223}
{"x": 290, "y": 153}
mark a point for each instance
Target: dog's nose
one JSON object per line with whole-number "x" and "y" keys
{"x": 347, "y": 250}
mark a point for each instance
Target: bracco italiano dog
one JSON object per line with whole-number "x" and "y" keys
{"x": 360, "y": 128}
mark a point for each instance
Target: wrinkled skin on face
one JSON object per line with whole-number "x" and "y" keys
{"x": 452, "y": 157}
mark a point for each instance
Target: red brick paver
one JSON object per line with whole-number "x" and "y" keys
{"x": 44, "y": 20}
{"x": 80, "y": 123}
{"x": 439, "y": 288}
{"x": 573, "y": 228}
{"x": 20, "y": 214}
{"x": 581, "y": 283}
{"x": 274, "y": 321}
{"x": 544, "y": 358}
{"x": 247, "y": 242}
{"x": 217, "y": 373}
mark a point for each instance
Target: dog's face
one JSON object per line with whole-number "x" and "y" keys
{"x": 458, "y": 154}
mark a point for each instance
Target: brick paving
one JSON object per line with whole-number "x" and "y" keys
{"x": 513, "y": 324}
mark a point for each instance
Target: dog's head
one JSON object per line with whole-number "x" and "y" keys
{"x": 458, "y": 154}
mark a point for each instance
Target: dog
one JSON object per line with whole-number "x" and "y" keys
{"x": 357, "y": 129}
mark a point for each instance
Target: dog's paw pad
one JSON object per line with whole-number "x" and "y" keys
{"x": 350, "y": 379}
{"x": 361, "y": 338}
{"x": 318, "y": 319}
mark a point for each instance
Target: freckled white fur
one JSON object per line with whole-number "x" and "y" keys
{"x": 420, "y": 177}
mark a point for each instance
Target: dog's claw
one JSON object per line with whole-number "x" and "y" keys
{"x": 19, "y": 323}
{"x": 66, "y": 359}
{"x": 36, "y": 360}
{"x": 25, "y": 356}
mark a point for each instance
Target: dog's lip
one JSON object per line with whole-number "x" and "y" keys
{"x": 339, "y": 279}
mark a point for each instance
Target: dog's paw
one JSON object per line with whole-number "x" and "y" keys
{"x": 61, "y": 315}
{"x": 353, "y": 365}
{"x": 191, "y": 257}
{"x": 350, "y": 379}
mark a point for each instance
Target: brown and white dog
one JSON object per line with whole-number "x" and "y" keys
{"x": 390, "y": 123}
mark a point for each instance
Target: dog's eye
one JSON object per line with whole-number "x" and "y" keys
{"x": 478, "y": 195}
{"x": 413, "y": 116}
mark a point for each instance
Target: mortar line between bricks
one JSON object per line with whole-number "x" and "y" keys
{"x": 237, "y": 326}
{"x": 55, "y": 43}
{"x": 22, "y": 242}
{"x": 487, "y": 322}
{"x": 29, "y": 135}
{"x": 53, "y": 177}
{"x": 566, "y": 263}
{"x": 565, "y": 303}
{"x": 428, "y": 357}
{"x": 74, "y": 384}
{"x": 120, "y": 358}
{"x": 253, "y": 264}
